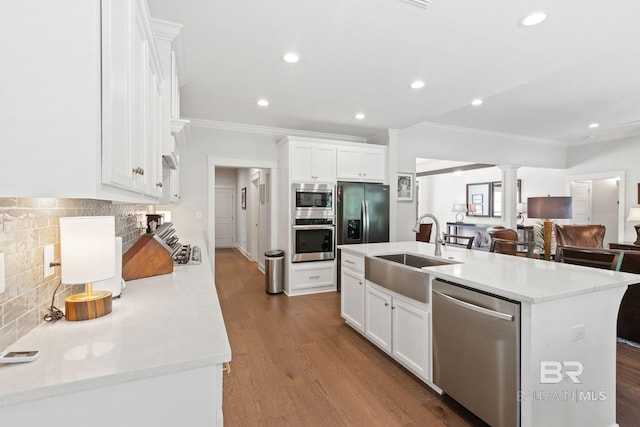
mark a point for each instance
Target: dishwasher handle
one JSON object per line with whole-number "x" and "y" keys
{"x": 477, "y": 308}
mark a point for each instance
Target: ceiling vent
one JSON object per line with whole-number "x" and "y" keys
{"x": 420, "y": 3}
{"x": 632, "y": 122}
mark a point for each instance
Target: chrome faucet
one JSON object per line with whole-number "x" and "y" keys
{"x": 416, "y": 229}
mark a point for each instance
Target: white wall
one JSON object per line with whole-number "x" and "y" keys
{"x": 620, "y": 155}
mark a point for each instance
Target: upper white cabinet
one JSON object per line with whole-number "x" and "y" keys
{"x": 357, "y": 163}
{"x": 313, "y": 163}
{"x": 83, "y": 104}
{"x": 131, "y": 98}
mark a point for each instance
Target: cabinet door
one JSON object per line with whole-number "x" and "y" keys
{"x": 373, "y": 165}
{"x": 301, "y": 162}
{"x": 411, "y": 337}
{"x": 117, "y": 93}
{"x": 324, "y": 164}
{"x": 378, "y": 318}
{"x": 349, "y": 163}
{"x": 352, "y": 299}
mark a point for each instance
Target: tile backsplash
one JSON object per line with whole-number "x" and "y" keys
{"x": 26, "y": 226}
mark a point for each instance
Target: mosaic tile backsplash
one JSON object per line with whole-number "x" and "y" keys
{"x": 26, "y": 226}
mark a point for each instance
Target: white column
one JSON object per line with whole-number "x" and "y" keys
{"x": 509, "y": 195}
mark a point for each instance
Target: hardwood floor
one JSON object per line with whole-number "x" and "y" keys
{"x": 296, "y": 363}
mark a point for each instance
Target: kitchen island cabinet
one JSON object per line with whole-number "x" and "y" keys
{"x": 568, "y": 316}
{"x": 156, "y": 360}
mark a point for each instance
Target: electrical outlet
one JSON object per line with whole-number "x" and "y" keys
{"x": 1, "y": 272}
{"x": 47, "y": 260}
{"x": 577, "y": 332}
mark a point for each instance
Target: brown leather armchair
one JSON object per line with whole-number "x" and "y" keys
{"x": 582, "y": 236}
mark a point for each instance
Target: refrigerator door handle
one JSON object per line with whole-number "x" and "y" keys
{"x": 365, "y": 223}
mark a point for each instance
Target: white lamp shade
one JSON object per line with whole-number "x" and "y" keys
{"x": 86, "y": 249}
{"x": 634, "y": 214}
{"x": 459, "y": 207}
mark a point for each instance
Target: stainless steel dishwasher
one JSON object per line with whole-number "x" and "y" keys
{"x": 476, "y": 351}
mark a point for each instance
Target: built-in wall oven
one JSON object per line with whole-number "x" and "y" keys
{"x": 313, "y": 239}
{"x": 313, "y": 233}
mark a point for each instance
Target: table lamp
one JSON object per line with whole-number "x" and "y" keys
{"x": 634, "y": 216}
{"x": 549, "y": 208}
{"x": 521, "y": 208}
{"x": 87, "y": 254}
{"x": 460, "y": 209}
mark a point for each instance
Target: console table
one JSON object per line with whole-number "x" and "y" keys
{"x": 465, "y": 229}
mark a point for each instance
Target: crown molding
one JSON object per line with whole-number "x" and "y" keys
{"x": 473, "y": 131}
{"x": 266, "y": 130}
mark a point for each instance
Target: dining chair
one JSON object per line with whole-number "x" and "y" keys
{"x": 457, "y": 240}
{"x": 424, "y": 235}
{"x": 609, "y": 259}
{"x": 512, "y": 247}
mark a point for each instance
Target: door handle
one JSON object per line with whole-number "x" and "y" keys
{"x": 476, "y": 308}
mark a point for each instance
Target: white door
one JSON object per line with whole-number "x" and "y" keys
{"x": 581, "y": 202}
{"x": 254, "y": 217}
{"x": 224, "y": 217}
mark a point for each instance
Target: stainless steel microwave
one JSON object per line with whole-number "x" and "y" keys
{"x": 313, "y": 200}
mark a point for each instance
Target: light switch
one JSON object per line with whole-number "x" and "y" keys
{"x": 1, "y": 272}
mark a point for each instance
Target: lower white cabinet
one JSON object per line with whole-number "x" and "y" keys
{"x": 352, "y": 298}
{"x": 312, "y": 277}
{"x": 400, "y": 327}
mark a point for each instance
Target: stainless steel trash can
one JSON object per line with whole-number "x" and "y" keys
{"x": 274, "y": 271}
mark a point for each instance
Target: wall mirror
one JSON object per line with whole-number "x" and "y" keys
{"x": 479, "y": 199}
{"x": 496, "y": 197}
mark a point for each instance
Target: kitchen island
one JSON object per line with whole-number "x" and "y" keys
{"x": 157, "y": 360}
{"x": 567, "y": 314}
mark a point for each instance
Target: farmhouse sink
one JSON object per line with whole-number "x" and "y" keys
{"x": 402, "y": 273}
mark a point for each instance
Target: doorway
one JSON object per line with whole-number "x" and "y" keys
{"x": 225, "y": 218}
{"x": 596, "y": 200}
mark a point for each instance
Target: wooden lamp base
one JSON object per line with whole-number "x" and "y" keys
{"x": 87, "y": 305}
{"x": 547, "y": 239}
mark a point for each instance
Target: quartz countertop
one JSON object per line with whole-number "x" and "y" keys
{"x": 160, "y": 325}
{"x": 518, "y": 278}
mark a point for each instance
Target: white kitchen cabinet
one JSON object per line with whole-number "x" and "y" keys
{"x": 72, "y": 95}
{"x": 378, "y": 318}
{"x": 132, "y": 99}
{"x": 352, "y": 291}
{"x": 358, "y": 163}
{"x": 411, "y": 337}
{"x": 399, "y": 327}
{"x": 313, "y": 163}
{"x": 312, "y": 277}
{"x": 168, "y": 37}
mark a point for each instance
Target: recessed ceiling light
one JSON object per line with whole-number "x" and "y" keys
{"x": 532, "y": 19}
{"x": 417, "y": 84}
{"x": 360, "y": 116}
{"x": 594, "y": 125}
{"x": 476, "y": 102}
{"x": 291, "y": 58}
{"x": 263, "y": 102}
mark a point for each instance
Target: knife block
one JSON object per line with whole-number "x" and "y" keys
{"x": 149, "y": 256}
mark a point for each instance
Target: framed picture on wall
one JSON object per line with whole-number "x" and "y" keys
{"x": 406, "y": 185}
{"x": 243, "y": 194}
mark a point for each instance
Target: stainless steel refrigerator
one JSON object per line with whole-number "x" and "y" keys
{"x": 362, "y": 212}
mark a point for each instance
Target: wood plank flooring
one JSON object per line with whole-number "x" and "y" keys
{"x": 296, "y": 363}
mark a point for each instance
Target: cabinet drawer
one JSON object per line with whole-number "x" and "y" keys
{"x": 312, "y": 277}
{"x": 353, "y": 262}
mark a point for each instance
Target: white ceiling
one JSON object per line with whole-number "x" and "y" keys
{"x": 581, "y": 65}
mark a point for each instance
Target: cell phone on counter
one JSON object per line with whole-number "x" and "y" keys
{"x": 19, "y": 356}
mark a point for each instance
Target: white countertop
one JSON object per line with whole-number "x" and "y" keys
{"x": 518, "y": 278}
{"x": 162, "y": 324}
